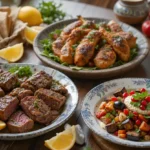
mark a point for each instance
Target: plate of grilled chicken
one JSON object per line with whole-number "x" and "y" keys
{"x": 91, "y": 48}
{"x": 33, "y": 100}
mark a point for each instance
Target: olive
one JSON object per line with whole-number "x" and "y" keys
{"x": 119, "y": 105}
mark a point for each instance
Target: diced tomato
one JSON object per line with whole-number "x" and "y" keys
{"x": 138, "y": 122}
{"x": 100, "y": 114}
{"x": 142, "y": 107}
{"x": 144, "y": 102}
{"x": 133, "y": 100}
{"x": 147, "y": 98}
{"x": 116, "y": 133}
{"x": 114, "y": 99}
{"x": 126, "y": 112}
{"x": 142, "y": 90}
{"x": 141, "y": 117}
{"x": 135, "y": 113}
{"x": 132, "y": 92}
{"x": 125, "y": 94}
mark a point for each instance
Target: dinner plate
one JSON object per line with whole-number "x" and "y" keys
{"x": 98, "y": 94}
{"x": 93, "y": 74}
{"x": 68, "y": 108}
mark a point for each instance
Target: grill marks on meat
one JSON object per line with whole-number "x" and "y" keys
{"x": 57, "y": 87}
{"x": 86, "y": 48}
{"x": 36, "y": 109}
{"x": 38, "y": 80}
{"x": 8, "y": 105}
{"x": 8, "y": 81}
{"x": 19, "y": 122}
{"x": 20, "y": 93}
{"x": 53, "y": 99}
{"x": 105, "y": 58}
{"x": 2, "y": 93}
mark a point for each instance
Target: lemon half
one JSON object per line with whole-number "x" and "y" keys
{"x": 13, "y": 53}
{"x": 2, "y": 125}
{"x": 62, "y": 141}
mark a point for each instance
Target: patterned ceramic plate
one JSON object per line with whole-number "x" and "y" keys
{"x": 66, "y": 113}
{"x": 93, "y": 74}
{"x": 99, "y": 93}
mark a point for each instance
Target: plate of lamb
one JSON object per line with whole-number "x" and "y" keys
{"x": 33, "y": 100}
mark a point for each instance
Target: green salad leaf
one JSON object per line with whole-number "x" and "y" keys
{"x": 22, "y": 71}
{"x": 51, "y": 12}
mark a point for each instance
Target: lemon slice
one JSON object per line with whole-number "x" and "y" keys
{"x": 2, "y": 125}
{"x": 31, "y": 32}
{"x": 62, "y": 141}
{"x": 13, "y": 53}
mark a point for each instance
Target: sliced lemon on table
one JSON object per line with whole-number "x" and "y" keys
{"x": 13, "y": 53}
{"x": 2, "y": 125}
{"x": 62, "y": 141}
{"x": 31, "y": 32}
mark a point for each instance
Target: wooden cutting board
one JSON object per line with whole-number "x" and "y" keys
{"x": 106, "y": 145}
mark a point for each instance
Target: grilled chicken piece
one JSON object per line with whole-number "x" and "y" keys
{"x": 58, "y": 44}
{"x": 114, "y": 27}
{"x": 67, "y": 51}
{"x": 129, "y": 38}
{"x": 105, "y": 58}
{"x": 118, "y": 43}
{"x": 81, "y": 23}
{"x": 86, "y": 48}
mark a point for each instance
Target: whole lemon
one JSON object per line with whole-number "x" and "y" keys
{"x": 30, "y": 15}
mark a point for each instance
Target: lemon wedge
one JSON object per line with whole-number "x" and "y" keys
{"x": 62, "y": 141}
{"x": 2, "y": 125}
{"x": 13, "y": 53}
{"x": 31, "y": 32}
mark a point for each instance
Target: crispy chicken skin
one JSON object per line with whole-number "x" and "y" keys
{"x": 114, "y": 27}
{"x": 129, "y": 38}
{"x": 67, "y": 51}
{"x": 59, "y": 42}
{"x": 118, "y": 43}
{"x": 86, "y": 48}
{"x": 105, "y": 58}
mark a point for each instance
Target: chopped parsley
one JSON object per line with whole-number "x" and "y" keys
{"x": 51, "y": 12}
{"x": 21, "y": 71}
{"x": 35, "y": 104}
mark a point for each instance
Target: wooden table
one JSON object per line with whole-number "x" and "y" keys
{"x": 83, "y": 85}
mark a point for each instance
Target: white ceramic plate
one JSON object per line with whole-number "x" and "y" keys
{"x": 68, "y": 108}
{"x": 99, "y": 93}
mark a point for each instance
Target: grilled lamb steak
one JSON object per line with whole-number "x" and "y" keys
{"x": 53, "y": 99}
{"x": 19, "y": 122}
{"x": 38, "y": 80}
{"x": 8, "y": 105}
{"x": 57, "y": 87}
{"x": 8, "y": 81}
{"x": 20, "y": 93}
{"x": 55, "y": 114}
{"x": 2, "y": 93}
{"x": 36, "y": 109}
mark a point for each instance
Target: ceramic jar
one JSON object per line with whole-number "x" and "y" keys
{"x": 131, "y": 11}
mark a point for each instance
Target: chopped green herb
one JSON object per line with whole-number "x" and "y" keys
{"x": 113, "y": 112}
{"x": 147, "y": 117}
{"x": 22, "y": 71}
{"x": 108, "y": 115}
{"x": 137, "y": 130}
{"x": 130, "y": 115}
{"x": 36, "y": 104}
{"x": 87, "y": 148}
{"x": 51, "y": 12}
{"x": 148, "y": 107}
{"x": 53, "y": 35}
{"x": 135, "y": 104}
{"x": 140, "y": 96}
{"x": 74, "y": 46}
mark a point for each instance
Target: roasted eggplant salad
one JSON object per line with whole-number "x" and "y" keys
{"x": 126, "y": 114}
{"x": 84, "y": 44}
{"x": 27, "y": 99}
